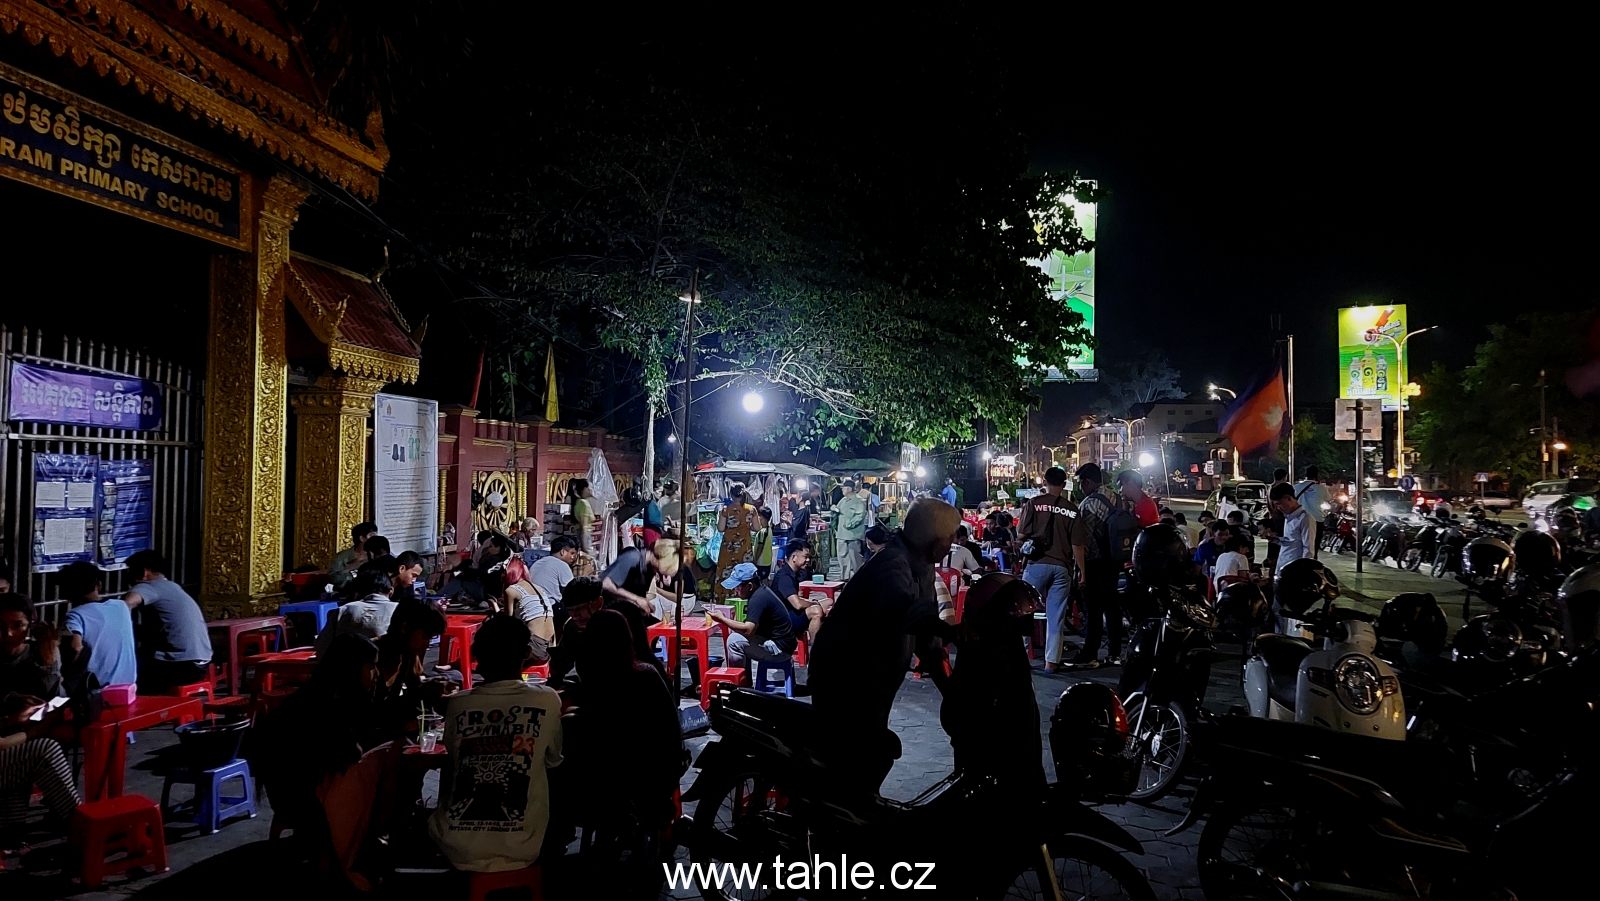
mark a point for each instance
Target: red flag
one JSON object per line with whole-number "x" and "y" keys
{"x": 1259, "y": 416}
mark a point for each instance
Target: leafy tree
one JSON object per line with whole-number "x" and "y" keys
{"x": 1148, "y": 378}
{"x": 1486, "y": 417}
{"x": 831, "y": 269}
{"x": 1314, "y": 445}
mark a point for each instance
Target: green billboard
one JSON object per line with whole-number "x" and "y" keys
{"x": 1072, "y": 284}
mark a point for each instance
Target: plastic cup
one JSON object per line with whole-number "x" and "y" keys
{"x": 430, "y": 741}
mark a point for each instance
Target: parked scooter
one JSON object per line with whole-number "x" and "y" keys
{"x": 1341, "y": 685}
{"x": 767, "y": 790}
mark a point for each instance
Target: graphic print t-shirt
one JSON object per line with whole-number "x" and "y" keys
{"x": 494, "y": 797}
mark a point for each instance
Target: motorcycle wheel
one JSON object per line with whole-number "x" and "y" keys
{"x": 1413, "y": 560}
{"x": 733, "y": 825}
{"x": 1246, "y": 847}
{"x": 1083, "y": 869}
{"x": 1162, "y": 733}
{"x": 1260, "y": 845}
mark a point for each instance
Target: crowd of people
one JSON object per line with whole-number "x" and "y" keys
{"x": 153, "y": 636}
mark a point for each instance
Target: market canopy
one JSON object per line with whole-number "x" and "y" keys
{"x": 867, "y": 466}
{"x": 745, "y": 466}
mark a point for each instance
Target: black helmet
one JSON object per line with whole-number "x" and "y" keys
{"x": 1579, "y": 599}
{"x": 1537, "y": 553}
{"x": 1160, "y": 556}
{"x": 1488, "y": 560}
{"x": 999, "y": 601}
{"x": 1414, "y": 617}
{"x": 1241, "y": 607}
{"x": 1091, "y": 744}
{"x": 1304, "y": 584}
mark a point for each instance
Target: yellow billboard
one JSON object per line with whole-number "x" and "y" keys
{"x": 1370, "y": 360}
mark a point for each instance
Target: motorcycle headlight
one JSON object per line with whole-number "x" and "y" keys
{"x": 1359, "y": 685}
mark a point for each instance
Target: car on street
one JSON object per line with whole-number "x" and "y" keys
{"x": 1386, "y": 502}
{"x": 1488, "y": 500}
{"x": 1541, "y": 495}
{"x": 1249, "y": 496}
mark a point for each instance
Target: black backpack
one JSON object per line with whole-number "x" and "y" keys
{"x": 1122, "y": 530}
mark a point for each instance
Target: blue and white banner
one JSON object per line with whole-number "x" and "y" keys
{"x": 71, "y": 397}
{"x": 65, "y": 489}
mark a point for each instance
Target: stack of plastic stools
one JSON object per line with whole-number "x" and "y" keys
{"x": 760, "y": 669}
{"x": 318, "y": 610}
{"x": 527, "y": 878}
{"x": 129, "y": 825}
{"x": 717, "y": 675}
{"x": 542, "y": 670}
{"x": 212, "y": 806}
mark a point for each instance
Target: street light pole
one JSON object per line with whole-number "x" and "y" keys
{"x": 1558, "y": 446}
{"x": 1544, "y": 437}
{"x": 685, "y": 487}
{"x": 1235, "y": 395}
{"x": 1400, "y": 395}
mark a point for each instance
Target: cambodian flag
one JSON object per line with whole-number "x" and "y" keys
{"x": 1259, "y": 416}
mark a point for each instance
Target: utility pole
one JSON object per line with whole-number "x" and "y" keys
{"x": 1555, "y": 428}
{"x": 1544, "y": 437}
{"x": 1292, "y": 471}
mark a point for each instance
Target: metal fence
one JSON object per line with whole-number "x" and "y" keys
{"x": 174, "y": 451}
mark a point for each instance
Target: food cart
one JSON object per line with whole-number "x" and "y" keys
{"x": 764, "y": 483}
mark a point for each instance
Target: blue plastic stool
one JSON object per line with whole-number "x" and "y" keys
{"x": 212, "y": 806}
{"x": 759, "y": 669}
{"x": 319, "y": 611}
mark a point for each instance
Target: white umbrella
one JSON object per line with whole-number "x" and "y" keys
{"x": 605, "y": 496}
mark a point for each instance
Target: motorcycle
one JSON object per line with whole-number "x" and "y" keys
{"x": 1339, "y": 533}
{"x": 768, "y": 791}
{"x": 1163, "y": 685}
{"x": 1341, "y": 686}
{"x": 1477, "y": 803}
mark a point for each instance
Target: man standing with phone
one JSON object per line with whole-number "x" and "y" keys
{"x": 1046, "y": 530}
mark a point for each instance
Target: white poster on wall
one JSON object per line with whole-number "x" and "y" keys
{"x": 405, "y": 472}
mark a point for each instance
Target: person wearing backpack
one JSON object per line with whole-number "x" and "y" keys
{"x": 1046, "y": 530}
{"x": 1099, "y": 548}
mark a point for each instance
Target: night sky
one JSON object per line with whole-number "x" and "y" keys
{"x": 1240, "y": 194}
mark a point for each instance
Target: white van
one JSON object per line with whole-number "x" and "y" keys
{"x": 1542, "y": 494}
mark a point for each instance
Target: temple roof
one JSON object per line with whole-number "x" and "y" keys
{"x": 234, "y": 62}
{"x": 363, "y": 330}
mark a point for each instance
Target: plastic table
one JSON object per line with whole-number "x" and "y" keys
{"x": 233, "y": 628}
{"x": 830, "y": 590}
{"x": 298, "y": 662}
{"x": 695, "y": 630}
{"x": 105, "y": 743}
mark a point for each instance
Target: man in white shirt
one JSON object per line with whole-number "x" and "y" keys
{"x": 494, "y": 795}
{"x": 1231, "y": 562}
{"x": 1311, "y": 494}
{"x": 1295, "y": 543}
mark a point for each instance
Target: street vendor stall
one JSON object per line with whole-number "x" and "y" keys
{"x": 776, "y": 481}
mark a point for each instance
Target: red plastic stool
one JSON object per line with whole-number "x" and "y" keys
{"x": 258, "y": 642}
{"x": 800, "y": 651}
{"x": 194, "y": 689}
{"x": 528, "y": 878}
{"x": 717, "y": 675}
{"x": 542, "y": 670}
{"x": 130, "y": 824}
{"x": 960, "y": 601}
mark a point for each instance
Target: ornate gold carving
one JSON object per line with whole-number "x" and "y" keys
{"x": 330, "y": 464}
{"x": 374, "y": 364}
{"x": 521, "y": 498}
{"x": 60, "y": 95}
{"x": 246, "y": 402}
{"x": 124, "y": 43}
{"x": 322, "y": 319}
{"x": 487, "y": 482}
{"x": 243, "y": 30}
{"x": 444, "y": 510}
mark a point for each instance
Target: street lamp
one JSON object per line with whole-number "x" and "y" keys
{"x": 672, "y": 438}
{"x": 1127, "y": 432}
{"x": 1146, "y": 460}
{"x": 1214, "y": 388}
{"x": 753, "y": 402}
{"x": 1400, "y": 405}
{"x": 922, "y": 472}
